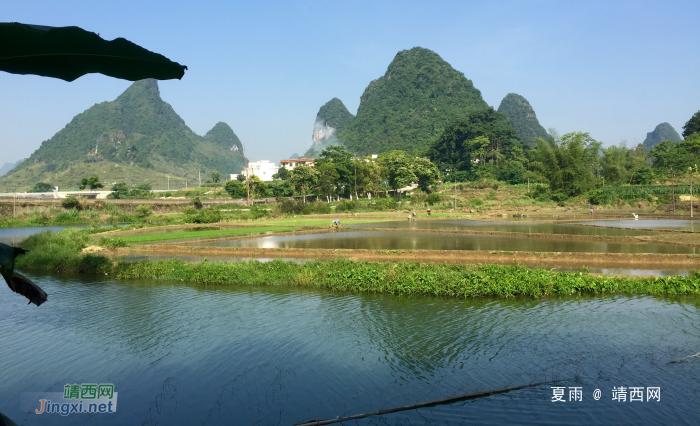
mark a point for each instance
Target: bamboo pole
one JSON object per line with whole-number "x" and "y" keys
{"x": 432, "y": 403}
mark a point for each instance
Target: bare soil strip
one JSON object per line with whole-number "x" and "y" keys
{"x": 533, "y": 259}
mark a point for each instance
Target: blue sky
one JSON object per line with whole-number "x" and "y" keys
{"x": 615, "y": 69}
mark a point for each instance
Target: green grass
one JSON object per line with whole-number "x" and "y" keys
{"x": 60, "y": 252}
{"x": 214, "y": 233}
{"x": 406, "y": 278}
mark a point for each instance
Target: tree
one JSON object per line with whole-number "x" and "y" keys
{"x": 678, "y": 155}
{"x": 92, "y": 182}
{"x": 566, "y": 163}
{"x": 336, "y": 170}
{"x": 692, "y": 126}
{"x": 485, "y": 135}
{"x": 236, "y": 189}
{"x": 42, "y": 187}
{"x": 120, "y": 190}
{"x": 397, "y": 169}
{"x": 282, "y": 174}
{"x": 328, "y": 178}
{"x": 426, "y": 173}
{"x": 303, "y": 178}
{"x": 215, "y": 176}
{"x": 258, "y": 188}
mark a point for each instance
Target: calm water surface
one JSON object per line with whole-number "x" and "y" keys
{"x": 17, "y": 235}
{"x": 406, "y": 240}
{"x": 186, "y": 355}
{"x": 543, "y": 228}
{"x": 680, "y": 224}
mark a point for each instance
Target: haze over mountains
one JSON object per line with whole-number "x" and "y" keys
{"x": 662, "y": 132}
{"x": 136, "y": 138}
{"x": 331, "y": 120}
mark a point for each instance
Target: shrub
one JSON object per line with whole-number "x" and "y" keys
{"x": 433, "y": 199}
{"x": 316, "y": 207}
{"x": 288, "y": 206}
{"x": 68, "y": 217}
{"x": 143, "y": 211}
{"x": 125, "y": 218}
{"x": 112, "y": 243}
{"x": 70, "y": 202}
{"x": 345, "y": 206}
{"x": 205, "y": 215}
{"x": 197, "y": 203}
{"x": 476, "y": 202}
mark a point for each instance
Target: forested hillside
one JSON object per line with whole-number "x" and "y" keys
{"x": 523, "y": 116}
{"x": 332, "y": 118}
{"x": 138, "y": 130}
{"x": 411, "y": 105}
{"x": 662, "y": 132}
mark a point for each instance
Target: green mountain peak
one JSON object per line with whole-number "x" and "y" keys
{"x": 411, "y": 105}
{"x": 138, "y": 129}
{"x": 662, "y": 132}
{"x": 523, "y": 116}
{"x": 331, "y": 119}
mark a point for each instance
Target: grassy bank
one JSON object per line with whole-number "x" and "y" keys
{"x": 61, "y": 252}
{"x": 214, "y": 233}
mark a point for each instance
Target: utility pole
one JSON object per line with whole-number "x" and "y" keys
{"x": 354, "y": 162}
{"x": 200, "y": 178}
{"x": 455, "y": 176}
{"x": 691, "y": 193}
{"x": 528, "y": 185}
{"x": 673, "y": 192}
{"x": 168, "y": 183}
{"x": 247, "y": 180}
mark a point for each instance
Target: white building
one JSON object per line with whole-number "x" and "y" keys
{"x": 291, "y": 164}
{"x": 263, "y": 169}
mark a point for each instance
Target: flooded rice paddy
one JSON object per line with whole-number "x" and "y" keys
{"x": 406, "y": 240}
{"x": 530, "y": 228}
{"x": 675, "y": 224}
{"x": 180, "y": 354}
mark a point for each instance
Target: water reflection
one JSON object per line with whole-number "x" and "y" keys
{"x": 405, "y": 240}
{"x": 183, "y": 354}
{"x": 17, "y": 235}
{"x": 679, "y": 224}
{"x": 530, "y": 228}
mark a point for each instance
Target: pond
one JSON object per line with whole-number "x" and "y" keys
{"x": 678, "y": 224}
{"x": 17, "y": 235}
{"x": 530, "y": 228}
{"x": 185, "y": 355}
{"x": 406, "y": 240}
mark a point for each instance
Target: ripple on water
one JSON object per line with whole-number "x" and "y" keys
{"x": 305, "y": 354}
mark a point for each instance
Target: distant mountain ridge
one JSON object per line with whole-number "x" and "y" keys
{"x": 523, "y": 116}
{"x": 5, "y": 168}
{"x": 662, "y": 132}
{"x": 411, "y": 105}
{"x": 138, "y": 129}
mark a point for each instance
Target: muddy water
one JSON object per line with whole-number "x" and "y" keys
{"x": 206, "y": 355}
{"x": 531, "y": 228}
{"x": 406, "y": 240}
{"x": 681, "y": 225}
